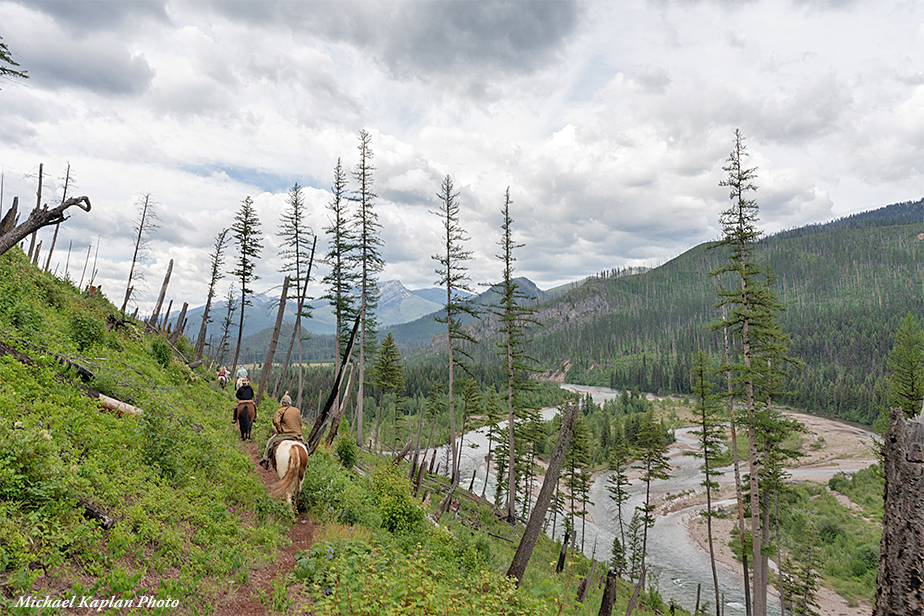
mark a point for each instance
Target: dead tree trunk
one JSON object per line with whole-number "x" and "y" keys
{"x": 537, "y": 516}
{"x": 341, "y": 408}
{"x": 51, "y": 249}
{"x": 609, "y": 594}
{"x": 160, "y": 298}
{"x": 900, "y": 581}
{"x": 11, "y": 233}
{"x": 38, "y": 204}
{"x": 264, "y": 374}
{"x": 180, "y": 325}
{"x": 303, "y": 292}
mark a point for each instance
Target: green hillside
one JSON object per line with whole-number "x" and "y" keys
{"x": 191, "y": 529}
{"x": 846, "y": 287}
{"x": 191, "y": 518}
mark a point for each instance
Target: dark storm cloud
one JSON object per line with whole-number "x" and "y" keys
{"x": 414, "y": 39}
{"x": 92, "y": 15}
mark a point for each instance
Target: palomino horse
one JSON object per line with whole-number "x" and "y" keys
{"x": 291, "y": 459}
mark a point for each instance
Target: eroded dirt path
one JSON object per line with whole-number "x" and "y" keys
{"x": 246, "y": 600}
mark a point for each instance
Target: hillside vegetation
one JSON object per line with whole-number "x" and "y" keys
{"x": 192, "y": 521}
{"x": 846, "y": 287}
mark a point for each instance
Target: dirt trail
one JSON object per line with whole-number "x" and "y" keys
{"x": 245, "y": 602}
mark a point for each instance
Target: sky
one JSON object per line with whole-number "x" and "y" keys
{"x": 609, "y": 122}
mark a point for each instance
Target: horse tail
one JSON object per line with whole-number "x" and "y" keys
{"x": 245, "y": 420}
{"x": 298, "y": 460}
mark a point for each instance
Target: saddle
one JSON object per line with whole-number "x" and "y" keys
{"x": 276, "y": 439}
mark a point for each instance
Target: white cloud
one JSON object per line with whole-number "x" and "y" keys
{"x": 608, "y": 121}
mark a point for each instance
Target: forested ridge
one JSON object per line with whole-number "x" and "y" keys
{"x": 846, "y": 287}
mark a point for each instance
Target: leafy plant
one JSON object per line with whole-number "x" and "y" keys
{"x": 86, "y": 330}
{"x": 161, "y": 351}
{"x": 347, "y": 451}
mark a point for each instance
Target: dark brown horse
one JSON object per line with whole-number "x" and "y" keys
{"x": 245, "y": 413}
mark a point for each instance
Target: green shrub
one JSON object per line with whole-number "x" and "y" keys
{"x": 14, "y": 546}
{"x": 329, "y": 492}
{"x": 838, "y": 482}
{"x": 31, "y": 471}
{"x": 160, "y": 442}
{"x": 86, "y": 330}
{"x": 161, "y": 351}
{"x": 392, "y": 489}
{"x": 346, "y": 451}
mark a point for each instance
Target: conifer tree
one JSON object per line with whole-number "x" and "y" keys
{"x": 217, "y": 260}
{"x": 577, "y": 474}
{"x": 388, "y": 375}
{"x": 297, "y": 252}
{"x": 905, "y": 379}
{"x": 369, "y": 263}
{"x": 246, "y": 234}
{"x": 226, "y": 323}
{"x": 453, "y": 276}
{"x": 711, "y": 433}
{"x": 495, "y": 415}
{"x": 6, "y": 64}
{"x": 653, "y": 464}
{"x": 339, "y": 258}
{"x": 752, "y": 317}
{"x": 617, "y": 484}
{"x": 515, "y": 319}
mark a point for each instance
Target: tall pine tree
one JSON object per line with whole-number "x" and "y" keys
{"x": 368, "y": 260}
{"x": 246, "y": 234}
{"x": 453, "y": 276}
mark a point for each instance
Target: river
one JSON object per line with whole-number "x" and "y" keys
{"x": 676, "y": 563}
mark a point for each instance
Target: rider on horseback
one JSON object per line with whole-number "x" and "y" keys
{"x": 287, "y": 424}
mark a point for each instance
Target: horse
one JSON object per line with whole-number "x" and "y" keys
{"x": 291, "y": 459}
{"x": 244, "y": 414}
{"x": 223, "y": 380}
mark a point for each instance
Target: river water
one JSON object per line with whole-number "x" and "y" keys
{"x": 675, "y": 562}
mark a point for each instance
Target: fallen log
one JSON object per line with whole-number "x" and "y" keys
{"x": 121, "y": 408}
{"x": 401, "y": 454}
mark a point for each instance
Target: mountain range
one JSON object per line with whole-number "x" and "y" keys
{"x": 398, "y": 304}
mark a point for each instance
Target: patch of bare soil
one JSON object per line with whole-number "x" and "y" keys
{"x": 245, "y": 600}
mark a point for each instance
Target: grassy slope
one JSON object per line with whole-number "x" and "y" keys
{"x": 191, "y": 517}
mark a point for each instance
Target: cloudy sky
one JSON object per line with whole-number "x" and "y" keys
{"x": 609, "y": 121}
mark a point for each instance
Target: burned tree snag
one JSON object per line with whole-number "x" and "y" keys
{"x": 180, "y": 324}
{"x": 900, "y": 581}
{"x": 268, "y": 364}
{"x": 11, "y": 233}
{"x": 38, "y": 204}
{"x": 160, "y": 298}
{"x": 534, "y": 526}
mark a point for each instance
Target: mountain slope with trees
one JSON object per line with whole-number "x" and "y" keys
{"x": 845, "y": 288}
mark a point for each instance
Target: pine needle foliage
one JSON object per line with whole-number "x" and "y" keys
{"x": 246, "y": 233}
{"x": 341, "y": 279}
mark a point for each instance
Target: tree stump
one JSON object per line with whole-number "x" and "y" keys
{"x": 900, "y": 581}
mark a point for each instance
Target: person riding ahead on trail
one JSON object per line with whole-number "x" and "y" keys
{"x": 287, "y": 424}
{"x": 245, "y": 411}
{"x": 240, "y": 376}
{"x": 244, "y": 390}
